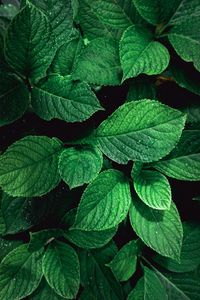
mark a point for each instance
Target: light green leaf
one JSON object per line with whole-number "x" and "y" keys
{"x": 61, "y": 269}
{"x": 14, "y": 98}
{"x": 29, "y": 167}
{"x": 59, "y": 97}
{"x": 141, "y": 88}
{"x": 66, "y": 56}
{"x": 189, "y": 259}
{"x": 31, "y": 54}
{"x": 153, "y": 188}
{"x": 184, "y": 34}
{"x": 14, "y": 211}
{"x": 138, "y": 292}
{"x": 80, "y": 165}
{"x": 8, "y": 11}
{"x": 144, "y": 130}
{"x": 183, "y": 163}
{"x": 140, "y": 54}
{"x": 41, "y": 238}
{"x": 160, "y": 230}
{"x": 104, "y": 203}
{"x": 20, "y": 273}
{"x": 153, "y": 288}
{"x": 124, "y": 263}
{"x": 44, "y": 291}
{"x": 86, "y": 239}
{"x": 99, "y": 63}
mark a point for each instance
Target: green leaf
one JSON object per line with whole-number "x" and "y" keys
{"x": 140, "y": 54}
{"x": 187, "y": 32}
{"x": 14, "y": 98}
{"x": 80, "y": 165}
{"x": 143, "y": 130}
{"x": 138, "y": 292}
{"x": 183, "y": 163}
{"x": 8, "y": 11}
{"x": 104, "y": 203}
{"x": 44, "y": 291}
{"x": 29, "y": 167}
{"x": 66, "y": 56}
{"x": 98, "y": 278}
{"x": 31, "y": 54}
{"x": 141, "y": 88}
{"x": 99, "y": 63}
{"x": 86, "y": 239}
{"x": 61, "y": 269}
{"x": 153, "y": 189}
{"x": 41, "y": 238}
{"x": 153, "y": 288}
{"x": 14, "y": 211}
{"x": 124, "y": 263}
{"x": 20, "y": 273}
{"x": 189, "y": 259}
{"x": 160, "y": 230}
{"x": 7, "y": 246}
{"x": 59, "y": 97}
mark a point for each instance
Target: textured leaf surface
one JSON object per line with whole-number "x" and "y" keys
{"x": 41, "y": 238}
{"x": 29, "y": 167}
{"x": 13, "y": 98}
{"x": 138, "y": 291}
{"x": 153, "y": 288}
{"x": 61, "y": 269}
{"x": 99, "y": 63}
{"x": 189, "y": 259}
{"x": 8, "y": 11}
{"x": 31, "y": 54}
{"x": 44, "y": 291}
{"x": 139, "y": 54}
{"x": 104, "y": 203}
{"x": 80, "y": 165}
{"x": 7, "y": 246}
{"x": 86, "y": 239}
{"x": 153, "y": 189}
{"x": 140, "y": 130}
{"x": 124, "y": 263}
{"x": 59, "y": 97}
{"x": 160, "y": 230}
{"x": 20, "y": 273}
{"x": 187, "y": 32}
{"x": 184, "y": 161}
{"x": 141, "y": 88}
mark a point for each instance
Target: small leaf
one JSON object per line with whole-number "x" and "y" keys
{"x": 59, "y": 97}
{"x": 14, "y": 98}
{"x": 20, "y": 273}
{"x": 29, "y": 167}
{"x": 183, "y": 162}
{"x": 80, "y": 165}
{"x": 153, "y": 189}
{"x": 143, "y": 130}
{"x": 8, "y": 11}
{"x": 61, "y": 269}
{"x": 160, "y": 230}
{"x": 124, "y": 263}
{"x": 153, "y": 288}
{"x": 30, "y": 59}
{"x": 41, "y": 238}
{"x": 104, "y": 203}
{"x": 99, "y": 63}
{"x": 139, "y": 54}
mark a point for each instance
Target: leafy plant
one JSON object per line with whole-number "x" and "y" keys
{"x": 100, "y": 135}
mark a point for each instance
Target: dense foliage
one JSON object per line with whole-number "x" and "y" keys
{"x": 100, "y": 127}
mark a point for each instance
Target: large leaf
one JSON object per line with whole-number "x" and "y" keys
{"x": 140, "y": 130}
{"x": 61, "y": 269}
{"x": 140, "y": 54}
{"x": 20, "y": 273}
{"x": 29, "y": 167}
{"x": 86, "y": 239}
{"x": 189, "y": 259}
{"x": 104, "y": 203}
{"x": 153, "y": 288}
{"x": 160, "y": 230}
{"x": 153, "y": 189}
{"x": 30, "y": 53}
{"x": 187, "y": 32}
{"x": 44, "y": 291}
{"x": 99, "y": 63}
{"x": 124, "y": 263}
{"x": 14, "y": 98}
{"x": 184, "y": 161}
{"x": 59, "y": 97}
